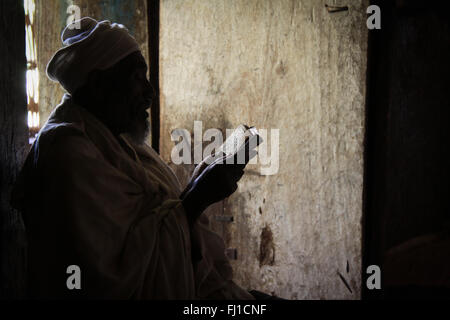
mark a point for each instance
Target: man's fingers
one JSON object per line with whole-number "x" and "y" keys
{"x": 220, "y": 158}
{"x": 199, "y": 169}
{"x": 239, "y": 175}
{"x": 233, "y": 188}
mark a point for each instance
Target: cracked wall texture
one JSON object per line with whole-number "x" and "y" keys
{"x": 289, "y": 65}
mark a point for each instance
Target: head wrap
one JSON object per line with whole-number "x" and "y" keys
{"x": 93, "y": 45}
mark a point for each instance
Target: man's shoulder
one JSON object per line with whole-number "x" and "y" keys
{"x": 58, "y": 148}
{"x": 62, "y": 141}
{"x": 65, "y": 125}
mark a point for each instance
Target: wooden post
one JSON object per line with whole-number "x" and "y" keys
{"x": 153, "y": 49}
{"x": 13, "y": 145}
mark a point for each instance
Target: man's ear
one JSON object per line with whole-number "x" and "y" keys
{"x": 93, "y": 90}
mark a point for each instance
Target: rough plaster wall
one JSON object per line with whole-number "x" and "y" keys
{"x": 51, "y": 18}
{"x": 289, "y": 65}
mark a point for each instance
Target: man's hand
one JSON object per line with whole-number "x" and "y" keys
{"x": 199, "y": 169}
{"x": 212, "y": 183}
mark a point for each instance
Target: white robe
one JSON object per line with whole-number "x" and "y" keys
{"x": 112, "y": 208}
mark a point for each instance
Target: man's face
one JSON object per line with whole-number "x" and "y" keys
{"x": 140, "y": 94}
{"x": 128, "y": 96}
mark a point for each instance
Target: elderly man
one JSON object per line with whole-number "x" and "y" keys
{"x": 95, "y": 196}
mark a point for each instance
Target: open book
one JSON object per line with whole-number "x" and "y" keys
{"x": 241, "y": 141}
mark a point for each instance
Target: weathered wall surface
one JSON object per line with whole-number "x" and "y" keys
{"x": 289, "y": 65}
{"x": 51, "y": 18}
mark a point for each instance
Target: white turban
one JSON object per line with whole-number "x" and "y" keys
{"x": 94, "y": 45}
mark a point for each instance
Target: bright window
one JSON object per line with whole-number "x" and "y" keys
{"x": 32, "y": 76}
